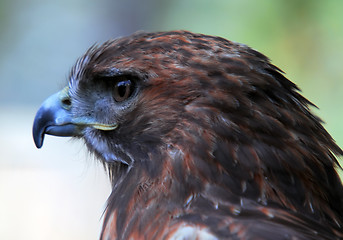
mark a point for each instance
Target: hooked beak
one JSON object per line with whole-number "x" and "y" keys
{"x": 54, "y": 117}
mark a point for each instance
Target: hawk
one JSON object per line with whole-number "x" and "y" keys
{"x": 202, "y": 138}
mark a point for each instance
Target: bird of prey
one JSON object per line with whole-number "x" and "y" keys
{"x": 202, "y": 138}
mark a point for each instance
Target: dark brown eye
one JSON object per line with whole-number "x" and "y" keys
{"x": 123, "y": 89}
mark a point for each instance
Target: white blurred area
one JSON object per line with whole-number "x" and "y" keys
{"x": 57, "y": 192}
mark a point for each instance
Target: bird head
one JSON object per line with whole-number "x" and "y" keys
{"x": 123, "y": 99}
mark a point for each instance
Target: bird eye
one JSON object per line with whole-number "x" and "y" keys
{"x": 123, "y": 89}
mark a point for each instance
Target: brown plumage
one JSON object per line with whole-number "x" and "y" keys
{"x": 203, "y": 138}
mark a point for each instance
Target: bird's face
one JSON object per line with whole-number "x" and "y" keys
{"x": 121, "y": 99}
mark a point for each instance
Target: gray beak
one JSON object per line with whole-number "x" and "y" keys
{"x": 54, "y": 118}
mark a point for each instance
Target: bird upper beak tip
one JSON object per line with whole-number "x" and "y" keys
{"x": 39, "y": 125}
{"x": 38, "y": 139}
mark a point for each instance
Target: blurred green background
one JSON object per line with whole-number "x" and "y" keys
{"x": 59, "y": 192}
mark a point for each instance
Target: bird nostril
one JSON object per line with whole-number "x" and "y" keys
{"x": 66, "y": 102}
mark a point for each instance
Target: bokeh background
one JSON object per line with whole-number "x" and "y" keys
{"x": 59, "y": 192}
